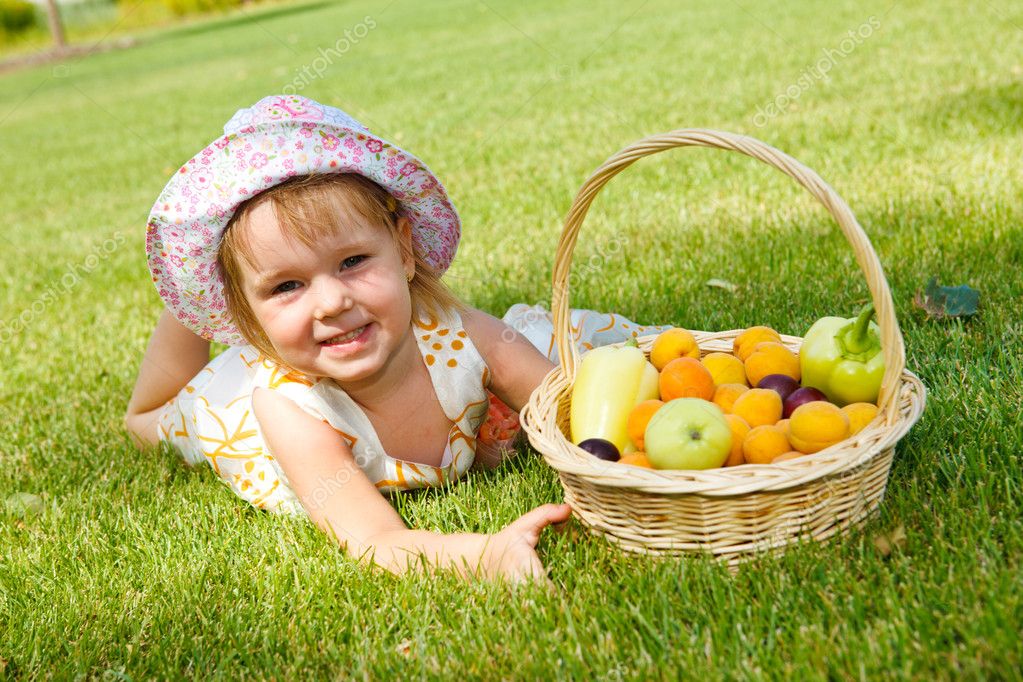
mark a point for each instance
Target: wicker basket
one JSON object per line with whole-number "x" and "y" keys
{"x": 731, "y": 513}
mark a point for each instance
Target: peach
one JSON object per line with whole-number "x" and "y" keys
{"x": 725, "y": 368}
{"x": 639, "y": 418}
{"x": 637, "y": 458}
{"x": 817, "y": 425}
{"x": 725, "y": 396}
{"x": 859, "y": 414}
{"x": 739, "y": 431}
{"x": 764, "y": 443}
{"x": 685, "y": 378}
{"x": 671, "y": 344}
{"x": 759, "y": 407}
{"x": 744, "y": 343}
{"x": 771, "y": 358}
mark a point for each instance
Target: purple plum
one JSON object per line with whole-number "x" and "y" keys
{"x": 782, "y": 384}
{"x": 601, "y": 449}
{"x": 806, "y": 394}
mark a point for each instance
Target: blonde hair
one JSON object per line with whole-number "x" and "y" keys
{"x": 309, "y": 208}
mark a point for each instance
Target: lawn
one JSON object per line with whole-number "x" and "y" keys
{"x": 136, "y": 567}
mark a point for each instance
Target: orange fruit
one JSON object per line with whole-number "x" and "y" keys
{"x": 637, "y": 458}
{"x": 686, "y": 378}
{"x": 639, "y": 418}
{"x": 816, "y": 425}
{"x": 740, "y": 429}
{"x": 759, "y": 407}
{"x": 725, "y": 396}
{"x": 744, "y": 343}
{"x": 859, "y": 414}
{"x": 764, "y": 443}
{"x": 769, "y": 357}
{"x": 725, "y": 368}
{"x": 791, "y": 454}
{"x": 783, "y": 424}
{"x": 671, "y": 344}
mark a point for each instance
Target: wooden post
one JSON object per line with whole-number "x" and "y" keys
{"x": 56, "y": 26}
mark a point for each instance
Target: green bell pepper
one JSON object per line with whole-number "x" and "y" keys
{"x": 610, "y": 382}
{"x": 843, "y": 359}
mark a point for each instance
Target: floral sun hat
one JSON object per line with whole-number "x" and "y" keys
{"x": 275, "y": 139}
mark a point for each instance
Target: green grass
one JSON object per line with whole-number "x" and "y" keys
{"x": 138, "y": 567}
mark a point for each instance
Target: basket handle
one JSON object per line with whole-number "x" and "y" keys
{"x": 891, "y": 337}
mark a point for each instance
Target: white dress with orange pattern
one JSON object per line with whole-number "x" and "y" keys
{"x": 212, "y": 420}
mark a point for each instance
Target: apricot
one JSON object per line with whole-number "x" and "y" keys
{"x": 639, "y": 418}
{"x": 740, "y": 429}
{"x": 783, "y": 424}
{"x": 744, "y": 343}
{"x": 817, "y": 425}
{"x": 791, "y": 454}
{"x": 769, "y": 357}
{"x": 637, "y": 458}
{"x": 859, "y": 414}
{"x": 671, "y": 344}
{"x": 725, "y": 368}
{"x": 685, "y": 378}
{"x": 725, "y": 396}
{"x": 764, "y": 443}
{"x": 758, "y": 406}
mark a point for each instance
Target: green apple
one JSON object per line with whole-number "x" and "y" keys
{"x": 688, "y": 433}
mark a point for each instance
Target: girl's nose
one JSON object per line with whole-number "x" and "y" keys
{"x": 332, "y": 298}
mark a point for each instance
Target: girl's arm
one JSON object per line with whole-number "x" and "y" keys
{"x": 516, "y": 366}
{"x": 174, "y": 356}
{"x": 342, "y": 501}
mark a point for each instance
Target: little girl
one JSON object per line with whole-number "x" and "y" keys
{"x": 314, "y": 250}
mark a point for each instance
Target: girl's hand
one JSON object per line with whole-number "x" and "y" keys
{"x": 511, "y": 553}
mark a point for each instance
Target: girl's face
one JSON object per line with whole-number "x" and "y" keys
{"x": 342, "y": 309}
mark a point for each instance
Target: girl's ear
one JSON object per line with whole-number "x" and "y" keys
{"x": 408, "y": 256}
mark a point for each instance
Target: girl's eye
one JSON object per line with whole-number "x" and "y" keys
{"x": 351, "y": 262}
{"x": 285, "y": 287}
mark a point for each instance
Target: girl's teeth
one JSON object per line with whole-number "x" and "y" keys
{"x": 345, "y": 337}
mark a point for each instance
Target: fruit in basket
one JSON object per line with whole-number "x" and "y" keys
{"x": 637, "y": 458}
{"x": 801, "y": 396}
{"x": 859, "y": 414}
{"x": 792, "y": 454}
{"x": 688, "y": 433}
{"x": 639, "y": 418}
{"x": 671, "y": 344}
{"x": 740, "y": 429}
{"x": 725, "y": 396}
{"x": 783, "y": 424}
{"x": 725, "y": 368}
{"x": 783, "y": 384}
{"x": 817, "y": 425}
{"x": 764, "y": 443}
{"x": 610, "y": 382}
{"x": 601, "y": 449}
{"x": 744, "y": 343}
{"x": 768, "y": 358}
{"x": 758, "y": 406}
{"x": 686, "y": 378}
{"x": 843, "y": 358}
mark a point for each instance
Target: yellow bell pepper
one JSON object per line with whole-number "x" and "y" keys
{"x": 610, "y": 382}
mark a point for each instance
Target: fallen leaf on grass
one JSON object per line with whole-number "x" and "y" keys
{"x": 939, "y": 301}
{"x": 24, "y": 505}
{"x": 723, "y": 284}
{"x": 887, "y": 543}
